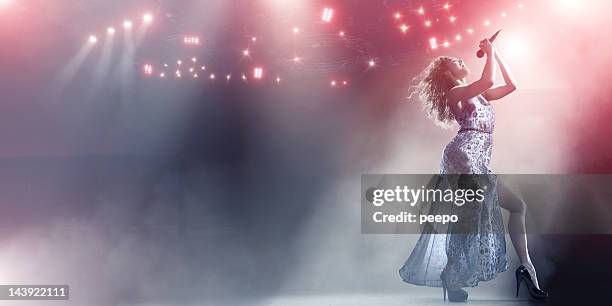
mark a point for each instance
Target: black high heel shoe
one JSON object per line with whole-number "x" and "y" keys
{"x": 454, "y": 295}
{"x": 522, "y": 274}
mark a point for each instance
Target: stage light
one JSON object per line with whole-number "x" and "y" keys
{"x": 458, "y": 37}
{"x": 165, "y": 65}
{"x": 521, "y": 5}
{"x": 296, "y": 59}
{"x": 433, "y": 43}
{"x": 245, "y": 52}
{"x": 296, "y": 30}
{"x": 212, "y": 76}
{"x": 421, "y": 11}
{"x": 244, "y": 77}
{"x": 258, "y": 72}
{"x": 487, "y": 23}
{"x": 471, "y": 31}
{"x": 147, "y": 18}
{"x": 446, "y": 44}
{"x": 372, "y": 63}
{"x": 189, "y": 40}
{"x": 398, "y": 15}
{"x": 228, "y": 77}
{"x": 148, "y": 69}
{"x": 93, "y": 39}
{"x": 253, "y": 39}
{"x": 193, "y": 59}
{"x": 452, "y": 18}
{"x": 195, "y": 75}
{"x": 404, "y": 28}
{"x": 344, "y": 83}
{"x": 162, "y": 75}
{"x": 328, "y": 13}
{"x": 447, "y": 6}
{"x": 278, "y": 79}
{"x": 428, "y": 23}
{"x": 203, "y": 67}
{"x": 191, "y": 69}
{"x": 110, "y": 30}
{"x": 504, "y": 15}
{"x": 127, "y": 24}
{"x": 333, "y": 83}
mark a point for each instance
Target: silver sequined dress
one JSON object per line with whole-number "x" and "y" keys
{"x": 476, "y": 254}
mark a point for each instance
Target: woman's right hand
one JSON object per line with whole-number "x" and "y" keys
{"x": 486, "y": 46}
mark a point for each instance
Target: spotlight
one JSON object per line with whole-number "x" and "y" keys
{"x": 203, "y": 67}
{"x": 93, "y": 39}
{"x": 398, "y": 15}
{"x": 447, "y": 6}
{"x": 433, "y": 43}
{"x": 212, "y": 76}
{"x": 127, "y": 24}
{"x": 258, "y": 73}
{"x": 278, "y": 79}
{"x": 254, "y": 39}
{"x": 195, "y": 75}
{"x": 428, "y": 23}
{"x": 191, "y": 69}
{"x": 504, "y": 15}
{"x": 228, "y": 77}
{"x": 194, "y": 59}
{"x": 342, "y": 34}
{"x": 296, "y": 30}
{"x": 521, "y": 5}
{"x": 179, "y": 62}
{"x": 344, "y": 83}
{"x": 371, "y": 63}
{"x": 189, "y": 40}
{"x": 162, "y": 75}
{"x": 246, "y": 52}
{"x": 446, "y": 44}
{"x": 297, "y": 59}
{"x": 148, "y": 69}
{"x": 452, "y": 18}
{"x": 458, "y": 37}
{"x": 110, "y": 30}
{"x": 404, "y": 28}
{"x": 147, "y": 18}
{"x": 421, "y": 11}
{"x": 471, "y": 31}
{"x": 487, "y": 23}
{"x": 244, "y": 77}
{"x": 328, "y": 13}
{"x": 333, "y": 83}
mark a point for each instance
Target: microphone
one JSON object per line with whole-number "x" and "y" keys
{"x": 480, "y": 52}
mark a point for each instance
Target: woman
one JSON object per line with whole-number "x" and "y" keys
{"x": 476, "y": 250}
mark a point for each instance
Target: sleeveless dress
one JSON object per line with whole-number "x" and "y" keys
{"x": 478, "y": 251}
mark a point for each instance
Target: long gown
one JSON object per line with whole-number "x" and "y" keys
{"x": 476, "y": 252}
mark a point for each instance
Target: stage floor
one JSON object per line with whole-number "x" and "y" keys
{"x": 353, "y": 300}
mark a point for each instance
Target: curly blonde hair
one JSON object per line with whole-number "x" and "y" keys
{"x": 432, "y": 87}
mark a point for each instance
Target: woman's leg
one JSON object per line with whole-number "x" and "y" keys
{"x": 516, "y": 226}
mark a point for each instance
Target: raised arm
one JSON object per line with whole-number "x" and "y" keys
{"x": 464, "y": 92}
{"x": 509, "y": 86}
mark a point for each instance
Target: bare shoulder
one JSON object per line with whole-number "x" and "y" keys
{"x": 453, "y": 100}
